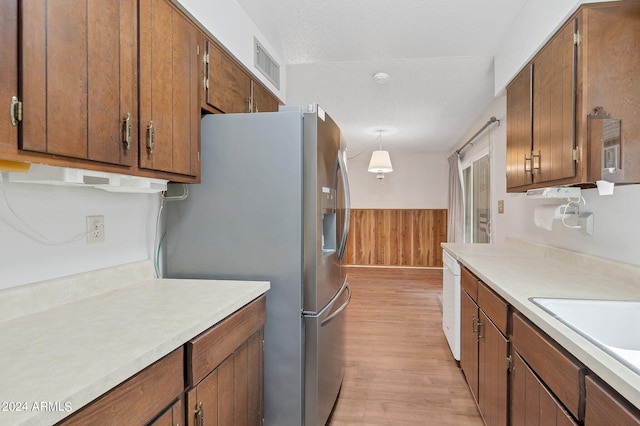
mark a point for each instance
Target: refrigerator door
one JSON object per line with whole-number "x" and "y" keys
{"x": 324, "y": 358}
{"x": 321, "y": 278}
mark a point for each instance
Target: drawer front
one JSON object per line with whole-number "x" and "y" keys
{"x": 138, "y": 400}
{"x": 207, "y": 351}
{"x": 469, "y": 283}
{"x": 604, "y": 404}
{"x": 494, "y": 306}
{"x": 560, "y": 372}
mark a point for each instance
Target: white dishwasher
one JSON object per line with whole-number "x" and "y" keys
{"x": 451, "y": 303}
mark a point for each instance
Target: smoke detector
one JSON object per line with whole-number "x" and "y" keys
{"x": 381, "y": 77}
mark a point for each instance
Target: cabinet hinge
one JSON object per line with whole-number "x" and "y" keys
{"x": 16, "y": 111}
{"x": 576, "y": 154}
{"x": 576, "y": 38}
{"x": 205, "y": 58}
{"x": 509, "y": 364}
{"x": 205, "y": 83}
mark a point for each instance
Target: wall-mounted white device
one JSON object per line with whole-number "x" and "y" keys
{"x": 554, "y": 192}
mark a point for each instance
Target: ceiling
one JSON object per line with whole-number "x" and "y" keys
{"x": 438, "y": 54}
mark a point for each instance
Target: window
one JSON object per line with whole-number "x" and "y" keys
{"x": 476, "y": 181}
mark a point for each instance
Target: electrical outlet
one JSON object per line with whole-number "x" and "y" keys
{"x": 95, "y": 229}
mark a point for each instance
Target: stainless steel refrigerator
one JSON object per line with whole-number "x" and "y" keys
{"x": 274, "y": 205}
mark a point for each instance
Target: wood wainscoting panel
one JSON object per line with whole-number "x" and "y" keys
{"x": 396, "y": 237}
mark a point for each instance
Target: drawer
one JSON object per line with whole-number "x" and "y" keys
{"x": 494, "y": 306}
{"x": 559, "y": 371}
{"x": 469, "y": 283}
{"x": 209, "y": 349}
{"x": 604, "y": 404}
{"x": 139, "y": 399}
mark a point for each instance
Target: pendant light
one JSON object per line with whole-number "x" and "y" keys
{"x": 380, "y": 161}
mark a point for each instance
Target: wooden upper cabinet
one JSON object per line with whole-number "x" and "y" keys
{"x": 8, "y": 72}
{"x": 263, "y": 101}
{"x": 591, "y": 62}
{"x": 226, "y": 87}
{"x": 79, "y": 78}
{"x": 169, "y": 101}
{"x": 212, "y": 76}
{"x": 236, "y": 87}
{"x": 554, "y": 74}
{"x": 519, "y": 160}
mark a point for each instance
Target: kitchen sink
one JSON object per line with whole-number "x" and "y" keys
{"x": 610, "y": 324}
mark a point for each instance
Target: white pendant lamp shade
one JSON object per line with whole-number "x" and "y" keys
{"x": 380, "y": 162}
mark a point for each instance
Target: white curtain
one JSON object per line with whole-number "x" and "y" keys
{"x": 455, "y": 226}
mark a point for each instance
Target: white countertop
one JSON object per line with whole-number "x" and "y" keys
{"x": 85, "y": 342}
{"x": 518, "y": 271}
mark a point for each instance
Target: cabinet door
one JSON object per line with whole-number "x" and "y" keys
{"x": 169, "y": 103}
{"x": 519, "y": 140}
{"x": 78, "y": 78}
{"x": 212, "y": 93}
{"x": 174, "y": 416}
{"x": 8, "y": 71}
{"x": 492, "y": 372}
{"x": 532, "y": 404}
{"x": 469, "y": 341}
{"x": 233, "y": 392}
{"x": 554, "y": 75}
{"x": 236, "y": 87}
{"x": 263, "y": 101}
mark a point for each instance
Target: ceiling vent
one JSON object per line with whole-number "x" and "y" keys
{"x": 266, "y": 64}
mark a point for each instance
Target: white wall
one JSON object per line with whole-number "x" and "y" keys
{"x": 419, "y": 181}
{"x": 58, "y": 213}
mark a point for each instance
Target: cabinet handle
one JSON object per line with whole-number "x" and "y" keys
{"x": 474, "y": 325}
{"x": 200, "y": 415}
{"x": 255, "y": 107}
{"x": 530, "y": 160}
{"x": 126, "y": 136}
{"x": 150, "y": 133}
{"x": 533, "y": 157}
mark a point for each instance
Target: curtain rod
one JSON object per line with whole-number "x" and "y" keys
{"x": 487, "y": 124}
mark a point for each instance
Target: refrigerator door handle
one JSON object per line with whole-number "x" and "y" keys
{"x": 313, "y": 314}
{"x": 340, "y": 309}
{"x": 347, "y": 203}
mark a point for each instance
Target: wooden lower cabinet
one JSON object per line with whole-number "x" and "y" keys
{"x": 532, "y": 402}
{"x": 606, "y": 407}
{"x": 225, "y": 376}
{"x": 469, "y": 341}
{"x": 173, "y": 416}
{"x": 492, "y": 372}
{"x": 231, "y": 394}
{"x": 138, "y": 400}
{"x": 484, "y": 349}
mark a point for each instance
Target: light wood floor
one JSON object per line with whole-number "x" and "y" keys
{"x": 399, "y": 368}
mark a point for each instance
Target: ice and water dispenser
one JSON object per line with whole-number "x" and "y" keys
{"x": 328, "y": 221}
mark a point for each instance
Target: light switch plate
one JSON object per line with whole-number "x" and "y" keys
{"x": 500, "y": 206}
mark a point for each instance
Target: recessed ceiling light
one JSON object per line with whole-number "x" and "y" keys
{"x": 381, "y": 77}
